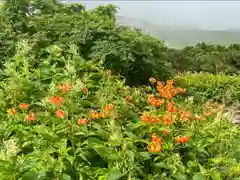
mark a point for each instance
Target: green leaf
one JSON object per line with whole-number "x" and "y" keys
{"x": 101, "y": 150}
{"x": 50, "y": 150}
{"x": 131, "y": 135}
{"x": 131, "y": 155}
{"x": 33, "y": 175}
{"x": 85, "y": 103}
{"x": 115, "y": 175}
{"x": 180, "y": 176}
{"x": 162, "y": 165}
{"x": 65, "y": 177}
{"x": 216, "y": 175}
{"x": 145, "y": 155}
{"x": 91, "y": 141}
{"x": 198, "y": 177}
{"x": 202, "y": 169}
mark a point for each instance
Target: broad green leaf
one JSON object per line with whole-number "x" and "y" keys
{"x": 216, "y": 175}
{"x": 180, "y": 176}
{"x": 33, "y": 175}
{"x": 115, "y": 175}
{"x": 198, "y": 177}
{"x": 162, "y": 165}
{"x": 65, "y": 177}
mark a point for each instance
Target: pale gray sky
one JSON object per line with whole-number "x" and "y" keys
{"x": 203, "y": 14}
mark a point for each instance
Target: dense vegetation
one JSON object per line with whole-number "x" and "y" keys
{"x": 67, "y": 112}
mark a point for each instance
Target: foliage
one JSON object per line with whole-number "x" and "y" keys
{"x": 126, "y": 51}
{"x": 220, "y": 87}
{"x": 65, "y": 115}
{"x": 80, "y": 122}
{"x": 207, "y": 58}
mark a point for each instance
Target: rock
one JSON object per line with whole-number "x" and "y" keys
{"x": 236, "y": 117}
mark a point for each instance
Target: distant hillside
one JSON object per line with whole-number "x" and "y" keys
{"x": 179, "y": 37}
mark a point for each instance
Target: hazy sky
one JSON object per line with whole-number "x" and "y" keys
{"x": 203, "y": 14}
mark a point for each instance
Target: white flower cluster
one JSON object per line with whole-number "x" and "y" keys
{"x": 10, "y": 149}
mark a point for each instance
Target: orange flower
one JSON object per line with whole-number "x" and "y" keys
{"x": 171, "y": 108}
{"x": 165, "y": 132}
{"x": 57, "y": 100}
{"x": 178, "y": 139}
{"x": 197, "y": 117}
{"x": 109, "y": 107}
{"x": 30, "y": 117}
{"x": 185, "y": 139}
{"x": 129, "y": 98}
{"x": 167, "y": 120}
{"x": 152, "y": 80}
{"x": 168, "y": 90}
{"x": 65, "y": 88}
{"x": 182, "y": 139}
{"x": 95, "y": 115}
{"x": 155, "y": 138}
{"x": 149, "y": 119}
{"x": 155, "y": 102}
{"x": 60, "y": 113}
{"x": 154, "y": 147}
{"x": 11, "y": 111}
{"x": 207, "y": 113}
{"x": 82, "y": 121}
{"x": 85, "y": 90}
{"x": 23, "y": 106}
{"x": 144, "y": 119}
{"x": 185, "y": 115}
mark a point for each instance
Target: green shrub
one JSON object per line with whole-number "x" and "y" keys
{"x": 126, "y": 51}
{"x": 222, "y": 88}
{"x": 206, "y": 58}
{"x": 132, "y": 137}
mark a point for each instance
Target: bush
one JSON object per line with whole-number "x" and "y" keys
{"x": 126, "y": 51}
{"x": 79, "y": 122}
{"x": 206, "y": 58}
{"x": 222, "y": 88}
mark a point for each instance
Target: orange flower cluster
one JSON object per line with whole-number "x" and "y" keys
{"x": 57, "y": 100}
{"x": 23, "y": 106}
{"x": 129, "y": 98}
{"x": 95, "y": 115}
{"x": 60, "y": 113}
{"x": 185, "y": 115}
{"x": 155, "y": 102}
{"x": 197, "y": 117}
{"x": 149, "y": 119}
{"x": 170, "y": 107}
{"x": 65, "y": 87}
{"x": 82, "y": 121}
{"x": 165, "y": 132}
{"x": 85, "y": 90}
{"x": 168, "y": 91}
{"x": 207, "y": 113}
{"x": 30, "y": 117}
{"x": 155, "y": 146}
{"x": 108, "y": 107}
{"x": 168, "y": 119}
{"x": 11, "y": 111}
{"x": 107, "y": 110}
{"x": 182, "y": 139}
